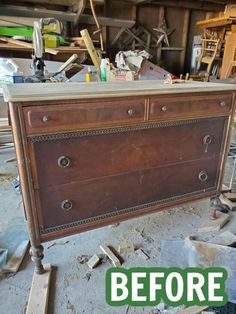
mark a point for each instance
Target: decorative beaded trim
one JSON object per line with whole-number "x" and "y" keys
{"x": 124, "y": 129}
{"x": 119, "y": 212}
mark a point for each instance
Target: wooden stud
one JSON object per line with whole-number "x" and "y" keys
{"x": 39, "y": 292}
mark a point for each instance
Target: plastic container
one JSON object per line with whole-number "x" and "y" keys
{"x": 9, "y": 72}
{"x": 103, "y": 68}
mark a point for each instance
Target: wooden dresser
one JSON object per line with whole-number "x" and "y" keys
{"x": 94, "y": 154}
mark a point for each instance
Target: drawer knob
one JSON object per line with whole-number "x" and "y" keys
{"x": 164, "y": 109}
{"x": 203, "y": 176}
{"x": 45, "y": 119}
{"x": 131, "y": 112}
{"x": 223, "y": 103}
{"x": 207, "y": 139}
{"x": 66, "y": 205}
{"x": 63, "y": 162}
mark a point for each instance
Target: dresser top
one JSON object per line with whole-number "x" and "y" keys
{"x": 66, "y": 91}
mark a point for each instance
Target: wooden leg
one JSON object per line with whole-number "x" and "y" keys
{"x": 36, "y": 253}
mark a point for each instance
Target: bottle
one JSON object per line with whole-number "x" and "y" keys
{"x": 103, "y": 68}
{"x": 88, "y": 75}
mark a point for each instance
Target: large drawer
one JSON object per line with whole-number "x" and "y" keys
{"x": 80, "y": 201}
{"x": 78, "y": 157}
{"x": 52, "y": 118}
{"x": 162, "y": 108}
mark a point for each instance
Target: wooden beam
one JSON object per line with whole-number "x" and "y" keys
{"x": 16, "y": 10}
{"x": 106, "y": 21}
{"x": 186, "y": 4}
{"x": 66, "y": 3}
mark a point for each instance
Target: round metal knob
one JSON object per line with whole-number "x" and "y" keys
{"x": 203, "y": 176}
{"x": 63, "y": 162}
{"x": 207, "y": 139}
{"x": 164, "y": 109}
{"x": 222, "y": 103}
{"x": 131, "y": 112}
{"x": 45, "y": 119}
{"x": 66, "y": 205}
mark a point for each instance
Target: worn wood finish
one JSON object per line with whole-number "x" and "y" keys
{"x": 41, "y": 119}
{"x": 111, "y": 154}
{"x": 91, "y": 155}
{"x": 180, "y": 106}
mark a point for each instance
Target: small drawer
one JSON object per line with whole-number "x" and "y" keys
{"x": 193, "y": 106}
{"x": 82, "y": 115}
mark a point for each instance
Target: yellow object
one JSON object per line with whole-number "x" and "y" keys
{"x": 51, "y": 41}
{"x": 88, "y": 77}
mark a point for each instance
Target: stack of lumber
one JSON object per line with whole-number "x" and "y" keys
{"x": 5, "y": 134}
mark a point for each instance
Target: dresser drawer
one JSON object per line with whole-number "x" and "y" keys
{"x": 124, "y": 193}
{"x": 193, "y": 106}
{"x": 76, "y": 157}
{"x": 82, "y": 115}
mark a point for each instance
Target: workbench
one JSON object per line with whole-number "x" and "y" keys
{"x": 94, "y": 154}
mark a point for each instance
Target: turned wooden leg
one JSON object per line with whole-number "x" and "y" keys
{"x": 36, "y": 253}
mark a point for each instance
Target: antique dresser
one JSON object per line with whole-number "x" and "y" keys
{"x": 94, "y": 154}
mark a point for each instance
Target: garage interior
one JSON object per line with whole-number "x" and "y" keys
{"x": 177, "y": 43}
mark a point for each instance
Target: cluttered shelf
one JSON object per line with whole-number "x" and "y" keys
{"x": 63, "y": 51}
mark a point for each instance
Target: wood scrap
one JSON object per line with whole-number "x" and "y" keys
{"x": 16, "y": 259}
{"x": 193, "y": 310}
{"x": 93, "y": 262}
{"x": 142, "y": 254}
{"x": 226, "y": 238}
{"x": 215, "y": 225}
{"x": 230, "y": 196}
{"x": 26, "y": 45}
{"x": 38, "y": 298}
{"x": 126, "y": 248}
{"x": 10, "y": 160}
{"x": 91, "y": 49}
{"x": 224, "y": 200}
{"x": 114, "y": 259}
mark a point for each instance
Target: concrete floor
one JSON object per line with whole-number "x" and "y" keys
{"x": 74, "y": 287}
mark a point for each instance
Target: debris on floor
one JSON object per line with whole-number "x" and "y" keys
{"x": 193, "y": 310}
{"x": 215, "y": 224}
{"x": 226, "y": 201}
{"x": 143, "y": 254}
{"x": 114, "y": 259}
{"x": 226, "y": 238}
{"x": 187, "y": 253}
{"x": 3, "y": 257}
{"x": 16, "y": 259}
{"x": 94, "y": 261}
{"x": 122, "y": 249}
